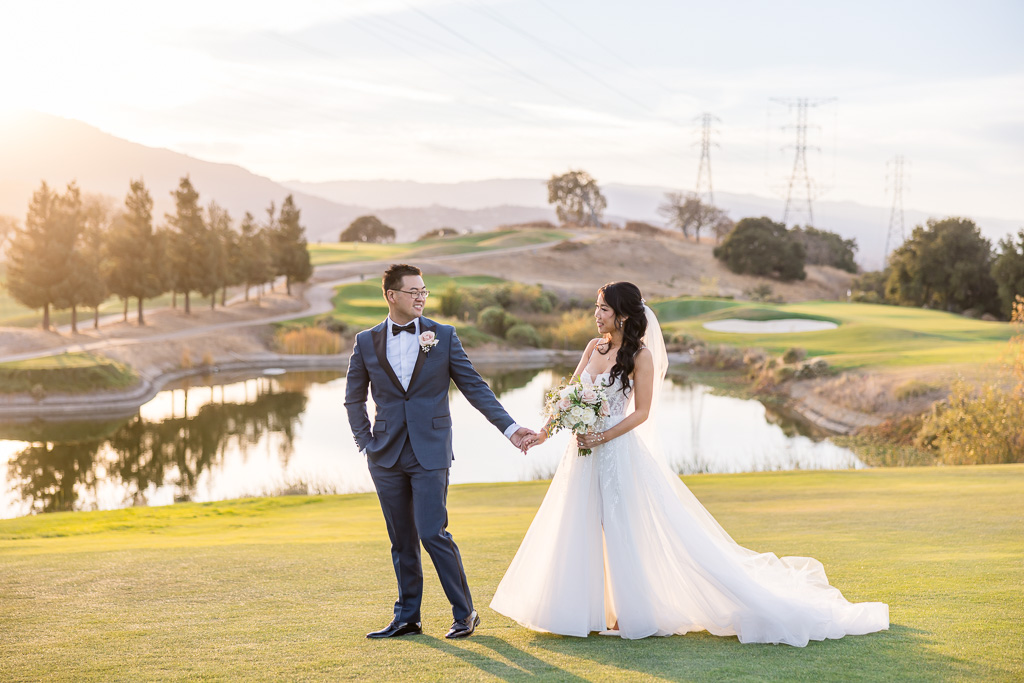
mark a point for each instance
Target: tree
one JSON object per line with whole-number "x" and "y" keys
{"x": 824, "y": 248}
{"x": 40, "y": 251}
{"x": 219, "y": 246}
{"x": 760, "y": 246}
{"x": 368, "y": 229}
{"x": 1008, "y": 272}
{"x": 722, "y": 227}
{"x": 97, "y": 211}
{"x": 8, "y": 226}
{"x": 435, "y": 233}
{"x": 191, "y": 262}
{"x": 290, "y": 251}
{"x": 577, "y": 198}
{"x": 945, "y": 264}
{"x": 869, "y": 287}
{"x": 256, "y": 265}
{"x": 133, "y": 258}
{"x": 686, "y": 211}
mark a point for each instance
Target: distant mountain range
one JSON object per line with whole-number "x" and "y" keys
{"x": 35, "y": 147}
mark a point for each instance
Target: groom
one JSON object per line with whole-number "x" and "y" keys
{"x": 407, "y": 362}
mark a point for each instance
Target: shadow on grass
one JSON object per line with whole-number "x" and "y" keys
{"x": 523, "y": 665}
{"x": 902, "y": 653}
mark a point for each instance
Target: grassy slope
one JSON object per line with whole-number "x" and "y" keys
{"x": 361, "y": 305}
{"x": 284, "y": 589}
{"x": 868, "y": 334}
{"x": 65, "y": 373}
{"x": 324, "y": 253}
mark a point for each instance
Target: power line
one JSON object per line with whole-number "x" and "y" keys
{"x": 704, "y": 186}
{"x": 501, "y": 60}
{"x": 558, "y": 55}
{"x": 800, "y": 180}
{"x": 894, "y": 178}
{"x": 382, "y": 34}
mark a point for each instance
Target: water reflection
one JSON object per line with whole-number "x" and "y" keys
{"x": 255, "y": 435}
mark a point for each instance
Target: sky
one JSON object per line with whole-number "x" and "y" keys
{"x": 451, "y": 90}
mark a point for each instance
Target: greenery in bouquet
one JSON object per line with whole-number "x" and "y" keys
{"x": 577, "y": 406}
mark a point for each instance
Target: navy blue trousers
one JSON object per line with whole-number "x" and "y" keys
{"x": 414, "y": 501}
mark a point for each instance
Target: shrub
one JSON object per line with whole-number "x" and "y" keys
{"x": 331, "y": 324}
{"x": 451, "y": 299}
{"x": 314, "y": 341}
{"x": 494, "y": 320}
{"x": 760, "y": 246}
{"x": 721, "y": 357}
{"x": 573, "y": 331}
{"x": 913, "y": 389}
{"x": 976, "y": 427}
{"x": 815, "y": 367}
{"x": 826, "y": 248}
{"x": 762, "y": 292}
{"x": 438, "y": 232}
{"x": 523, "y": 334}
{"x": 683, "y": 340}
{"x": 793, "y": 355}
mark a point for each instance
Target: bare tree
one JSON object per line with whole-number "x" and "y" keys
{"x": 686, "y": 211}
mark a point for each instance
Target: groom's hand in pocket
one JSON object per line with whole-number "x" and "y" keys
{"x": 519, "y": 437}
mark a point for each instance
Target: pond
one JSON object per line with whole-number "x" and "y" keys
{"x": 227, "y": 437}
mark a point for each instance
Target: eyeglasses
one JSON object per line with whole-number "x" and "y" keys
{"x": 414, "y": 293}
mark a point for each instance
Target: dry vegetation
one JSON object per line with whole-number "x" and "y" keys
{"x": 659, "y": 265}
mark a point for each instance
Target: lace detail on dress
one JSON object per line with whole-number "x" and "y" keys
{"x": 618, "y": 403}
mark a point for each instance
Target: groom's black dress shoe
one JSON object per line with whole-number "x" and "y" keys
{"x": 464, "y": 627}
{"x": 396, "y": 629}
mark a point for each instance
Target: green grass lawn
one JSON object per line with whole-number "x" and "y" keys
{"x": 361, "y": 305}
{"x": 323, "y": 253}
{"x": 70, "y": 373}
{"x": 286, "y": 588}
{"x": 868, "y": 334}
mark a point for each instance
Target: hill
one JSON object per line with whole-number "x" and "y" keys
{"x": 44, "y": 147}
{"x": 867, "y": 224}
{"x": 40, "y": 147}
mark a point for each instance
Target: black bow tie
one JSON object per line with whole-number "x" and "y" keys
{"x": 398, "y": 329}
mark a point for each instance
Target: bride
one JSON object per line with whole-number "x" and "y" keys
{"x": 622, "y": 547}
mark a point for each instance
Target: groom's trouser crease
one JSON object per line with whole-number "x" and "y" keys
{"x": 413, "y": 500}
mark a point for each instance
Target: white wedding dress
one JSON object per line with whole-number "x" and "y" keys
{"x": 619, "y": 538}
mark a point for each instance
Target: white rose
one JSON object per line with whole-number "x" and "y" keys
{"x": 576, "y": 413}
{"x": 589, "y": 417}
{"x": 566, "y": 392}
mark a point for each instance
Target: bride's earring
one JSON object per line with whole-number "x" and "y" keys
{"x": 618, "y": 323}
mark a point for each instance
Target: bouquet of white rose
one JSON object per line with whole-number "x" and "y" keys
{"x": 576, "y": 406}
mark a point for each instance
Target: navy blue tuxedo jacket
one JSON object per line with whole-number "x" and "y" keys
{"x": 420, "y": 413}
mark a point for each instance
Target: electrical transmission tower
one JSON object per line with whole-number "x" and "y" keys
{"x": 800, "y": 181}
{"x": 704, "y": 187}
{"x": 894, "y": 179}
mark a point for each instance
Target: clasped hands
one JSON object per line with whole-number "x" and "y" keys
{"x": 529, "y": 438}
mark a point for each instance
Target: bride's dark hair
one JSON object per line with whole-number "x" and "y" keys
{"x": 625, "y": 300}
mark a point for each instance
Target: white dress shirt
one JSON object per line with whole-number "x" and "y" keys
{"x": 402, "y": 351}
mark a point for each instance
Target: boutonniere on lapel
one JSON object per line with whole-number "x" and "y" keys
{"x": 427, "y": 341}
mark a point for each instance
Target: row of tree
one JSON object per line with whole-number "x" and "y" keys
{"x": 74, "y": 253}
{"x": 947, "y": 264}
